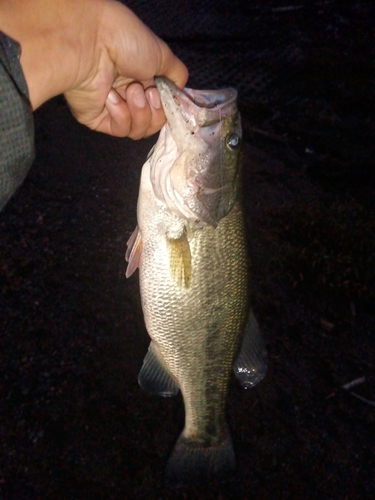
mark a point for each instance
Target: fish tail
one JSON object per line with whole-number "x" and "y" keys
{"x": 195, "y": 461}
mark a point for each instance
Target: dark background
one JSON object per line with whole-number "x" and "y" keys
{"x": 73, "y": 422}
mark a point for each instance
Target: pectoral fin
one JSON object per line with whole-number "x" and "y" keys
{"x": 133, "y": 252}
{"x": 154, "y": 377}
{"x": 180, "y": 259}
{"x": 251, "y": 363}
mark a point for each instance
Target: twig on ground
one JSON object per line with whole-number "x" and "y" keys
{"x": 365, "y": 400}
{"x": 349, "y": 385}
{"x": 287, "y": 8}
{"x": 353, "y": 383}
{"x": 270, "y": 135}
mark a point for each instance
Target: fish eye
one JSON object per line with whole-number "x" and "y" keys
{"x": 233, "y": 141}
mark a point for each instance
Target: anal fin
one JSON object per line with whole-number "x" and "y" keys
{"x": 154, "y": 377}
{"x": 250, "y": 365}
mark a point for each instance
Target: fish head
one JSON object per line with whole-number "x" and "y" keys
{"x": 195, "y": 163}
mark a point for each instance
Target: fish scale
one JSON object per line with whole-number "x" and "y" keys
{"x": 200, "y": 340}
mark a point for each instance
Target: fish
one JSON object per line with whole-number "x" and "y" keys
{"x": 190, "y": 248}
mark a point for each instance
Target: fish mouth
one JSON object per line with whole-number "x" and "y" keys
{"x": 200, "y": 182}
{"x": 195, "y": 108}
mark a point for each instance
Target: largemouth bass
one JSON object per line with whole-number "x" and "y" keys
{"x": 190, "y": 248}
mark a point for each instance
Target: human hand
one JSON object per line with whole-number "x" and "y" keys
{"x": 114, "y": 92}
{"x": 99, "y": 55}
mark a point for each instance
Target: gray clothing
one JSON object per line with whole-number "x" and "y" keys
{"x": 16, "y": 120}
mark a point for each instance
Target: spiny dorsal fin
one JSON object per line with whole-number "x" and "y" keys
{"x": 180, "y": 259}
{"x": 133, "y": 252}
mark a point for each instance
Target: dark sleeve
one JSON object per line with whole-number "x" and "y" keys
{"x": 16, "y": 121}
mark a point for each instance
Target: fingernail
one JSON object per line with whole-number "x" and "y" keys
{"x": 154, "y": 98}
{"x": 113, "y": 97}
{"x": 138, "y": 97}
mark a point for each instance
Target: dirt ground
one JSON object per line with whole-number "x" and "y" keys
{"x": 74, "y": 423}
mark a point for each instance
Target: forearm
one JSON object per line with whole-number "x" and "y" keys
{"x": 50, "y": 34}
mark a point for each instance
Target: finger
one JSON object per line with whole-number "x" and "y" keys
{"x": 139, "y": 109}
{"x": 117, "y": 121}
{"x": 157, "y": 113}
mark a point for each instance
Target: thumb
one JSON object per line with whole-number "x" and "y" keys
{"x": 171, "y": 66}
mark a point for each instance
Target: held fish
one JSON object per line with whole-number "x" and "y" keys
{"x": 190, "y": 248}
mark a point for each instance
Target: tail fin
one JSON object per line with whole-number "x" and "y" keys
{"x": 196, "y": 461}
